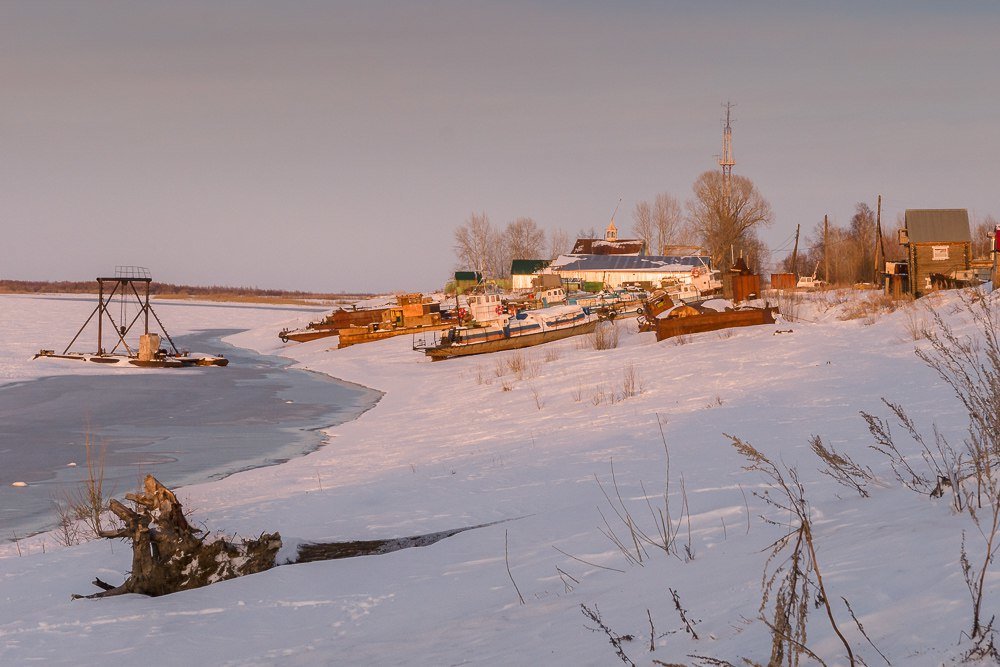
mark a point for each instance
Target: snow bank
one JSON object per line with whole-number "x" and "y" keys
{"x": 469, "y": 441}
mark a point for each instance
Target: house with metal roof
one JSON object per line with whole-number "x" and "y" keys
{"x": 614, "y": 271}
{"x": 938, "y": 249}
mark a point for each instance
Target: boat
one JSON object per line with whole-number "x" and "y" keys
{"x": 524, "y": 329}
{"x": 705, "y": 316}
{"x": 158, "y": 361}
{"x": 610, "y": 304}
{"x": 413, "y": 313}
{"x": 333, "y": 323}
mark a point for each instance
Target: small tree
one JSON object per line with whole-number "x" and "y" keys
{"x": 523, "y": 239}
{"x": 476, "y": 244}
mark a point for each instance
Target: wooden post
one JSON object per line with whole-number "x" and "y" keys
{"x": 878, "y": 241}
{"x": 100, "y": 315}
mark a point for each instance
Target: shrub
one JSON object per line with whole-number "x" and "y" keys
{"x": 605, "y": 336}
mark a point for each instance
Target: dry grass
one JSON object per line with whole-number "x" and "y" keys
{"x": 789, "y": 304}
{"x": 632, "y": 384}
{"x": 539, "y": 401}
{"x": 869, "y": 308}
{"x": 916, "y": 320}
{"x": 605, "y": 337}
{"x": 80, "y": 512}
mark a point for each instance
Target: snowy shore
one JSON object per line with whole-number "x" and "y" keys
{"x": 471, "y": 441}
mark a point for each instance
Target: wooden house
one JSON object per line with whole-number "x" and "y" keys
{"x": 938, "y": 249}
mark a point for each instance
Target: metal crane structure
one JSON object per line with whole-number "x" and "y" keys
{"x": 123, "y": 286}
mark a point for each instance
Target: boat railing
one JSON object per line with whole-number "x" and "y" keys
{"x": 427, "y": 340}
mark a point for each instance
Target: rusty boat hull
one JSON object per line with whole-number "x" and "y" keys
{"x": 446, "y": 351}
{"x": 670, "y": 327}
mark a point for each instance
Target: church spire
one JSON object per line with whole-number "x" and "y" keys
{"x": 611, "y": 234}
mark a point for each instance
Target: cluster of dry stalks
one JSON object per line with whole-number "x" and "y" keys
{"x": 605, "y": 337}
{"x": 80, "y": 512}
{"x": 970, "y": 472}
{"x": 970, "y": 367}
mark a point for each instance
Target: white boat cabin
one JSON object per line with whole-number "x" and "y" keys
{"x": 486, "y": 307}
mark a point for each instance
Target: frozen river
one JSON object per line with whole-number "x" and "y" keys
{"x": 183, "y": 425}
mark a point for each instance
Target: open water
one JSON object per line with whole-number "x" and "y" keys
{"x": 182, "y": 425}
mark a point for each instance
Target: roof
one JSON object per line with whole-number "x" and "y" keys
{"x": 473, "y": 276}
{"x": 524, "y": 267}
{"x": 937, "y": 225}
{"x": 674, "y": 264}
{"x": 604, "y": 247}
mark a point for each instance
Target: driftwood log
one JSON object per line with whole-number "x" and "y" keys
{"x": 169, "y": 555}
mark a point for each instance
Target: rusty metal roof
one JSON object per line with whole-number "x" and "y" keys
{"x": 627, "y": 263}
{"x": 603, "y": 247}
{"x": 937, "y": 225}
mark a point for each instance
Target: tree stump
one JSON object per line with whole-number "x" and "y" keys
{"x": 169, "y": 555}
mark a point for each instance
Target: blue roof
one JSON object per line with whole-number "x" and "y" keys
{"x": 628, "y": 263}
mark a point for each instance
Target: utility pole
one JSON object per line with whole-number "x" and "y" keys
{"x": 795, "y": 254}
{"x": 826, "y": 249}
{"x": 878, "y": 241}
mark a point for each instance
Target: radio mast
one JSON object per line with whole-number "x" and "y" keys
{"x": 726, "y": 159}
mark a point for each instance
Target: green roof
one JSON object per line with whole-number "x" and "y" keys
{"x": 469, "y": 276}
{"x": 525, "y": 267}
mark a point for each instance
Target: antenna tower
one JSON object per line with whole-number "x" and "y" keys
{"x": 726, "y": 160}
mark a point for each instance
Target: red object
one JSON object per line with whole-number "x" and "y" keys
{"x": 996, "y": 239}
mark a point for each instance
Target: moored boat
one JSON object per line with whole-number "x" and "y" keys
{"x": 333, "y": 323}
{"x": 414, "y": 313}
{"x": 525, "y": 329}
{"x": 157, "y": 361}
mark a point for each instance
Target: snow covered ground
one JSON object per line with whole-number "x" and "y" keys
{"x": 470, "y": 441}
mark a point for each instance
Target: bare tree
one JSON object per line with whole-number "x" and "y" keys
{"x": 668, "y": 222}
{"x": 524, "y": 239}
{"x": 476, "y": 243}
{"x": 722, "y": 222}
{"x": 559, "y": 243}
{"x": 982, "y": 236}
{"x": 644, "y": 228}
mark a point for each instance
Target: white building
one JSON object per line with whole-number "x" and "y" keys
{"x": 617, "y": 270}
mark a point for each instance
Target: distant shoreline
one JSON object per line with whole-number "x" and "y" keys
{"x": 204, "y": 293}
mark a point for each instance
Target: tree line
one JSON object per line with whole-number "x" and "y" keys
{"x": 724, "y": 221}
{"x": 160, "y": 289}
{"x": 846, "y": 255}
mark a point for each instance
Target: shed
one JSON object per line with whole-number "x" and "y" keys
{"x": 466, "y": 280}
{"x": 938, "y": 248}
{"x": 523, "y": 270}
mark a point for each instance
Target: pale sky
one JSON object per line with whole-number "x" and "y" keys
{"x": 336, "y": 145}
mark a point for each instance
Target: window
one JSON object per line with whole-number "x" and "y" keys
{"x": 940, "y": 252}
